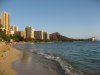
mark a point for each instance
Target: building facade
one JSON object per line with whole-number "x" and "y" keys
{"x": 46, "y": 36}
{"x": 16, "y": 28}
{"x": 12, "y": 32}
{"x": 29, "y": 32}
{"x": 5, "y": 21}
{"x": 21, "y": 33}
{"x": 13, "y": 29}
{"x": 38, "y": 35}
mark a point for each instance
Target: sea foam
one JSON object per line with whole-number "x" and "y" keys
{"x": 65, "y": 66}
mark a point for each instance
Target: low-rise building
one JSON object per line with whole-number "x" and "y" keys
{"x": 12, "y": 32}
{"x": 21, "y": 33}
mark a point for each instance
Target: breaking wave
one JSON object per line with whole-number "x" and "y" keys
{"x": 65, "y": 66}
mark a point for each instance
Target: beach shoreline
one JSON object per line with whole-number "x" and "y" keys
{"x": 10, "y": 55}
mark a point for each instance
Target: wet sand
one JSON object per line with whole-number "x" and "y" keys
{"x": 33, "y": 64}
{"x": 15, "y": 62}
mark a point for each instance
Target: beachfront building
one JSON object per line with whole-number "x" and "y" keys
{"x": 38, "y": 35}
{"x": 13, "y": 29}
{"x": 16, "y": 28}
{"x": 0, "y": 26}
{"x": 5, "y": 21}
{"x": 29, "y": 32}
{"x": 21, "y": 33}
{"x": 46, "y": 36}
{"x": 12, "y": 32}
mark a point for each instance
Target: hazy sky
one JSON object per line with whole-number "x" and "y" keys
{"x": 73, "y": 18}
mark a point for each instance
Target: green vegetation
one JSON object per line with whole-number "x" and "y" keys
{"x": 60, "y": 38}
{"x": 8, "y": 38}
{"x": 4, "y": 37}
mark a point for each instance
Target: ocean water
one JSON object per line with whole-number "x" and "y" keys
{"x": 77, "y": 58}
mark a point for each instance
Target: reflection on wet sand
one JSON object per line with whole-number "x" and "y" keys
{"x": 33, "y": 64}
{"x": 26, "y": 58}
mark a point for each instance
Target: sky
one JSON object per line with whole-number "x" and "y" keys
{"x": 72, "y": 18}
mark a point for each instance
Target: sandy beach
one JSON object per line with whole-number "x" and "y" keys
{"x": 7, "y": 56}
{"x": 33, "y": 64}
{"x": 16, "y": 62}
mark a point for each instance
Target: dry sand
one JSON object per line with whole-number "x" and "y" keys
{"x": 7, "y": 56}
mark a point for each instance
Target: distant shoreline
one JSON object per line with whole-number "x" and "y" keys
{"x": 23, "y": 42}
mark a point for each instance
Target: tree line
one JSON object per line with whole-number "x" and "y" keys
{"x": 4, "y": 37}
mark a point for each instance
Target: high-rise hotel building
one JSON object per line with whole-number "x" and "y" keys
{"x": 29, "y": 32}
{"x": 46, "y": 36}
{"x": 5, "y": 21}
{"x": 38, "y": 35}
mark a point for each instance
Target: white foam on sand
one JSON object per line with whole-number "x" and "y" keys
{"x": 65, "y": 66}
